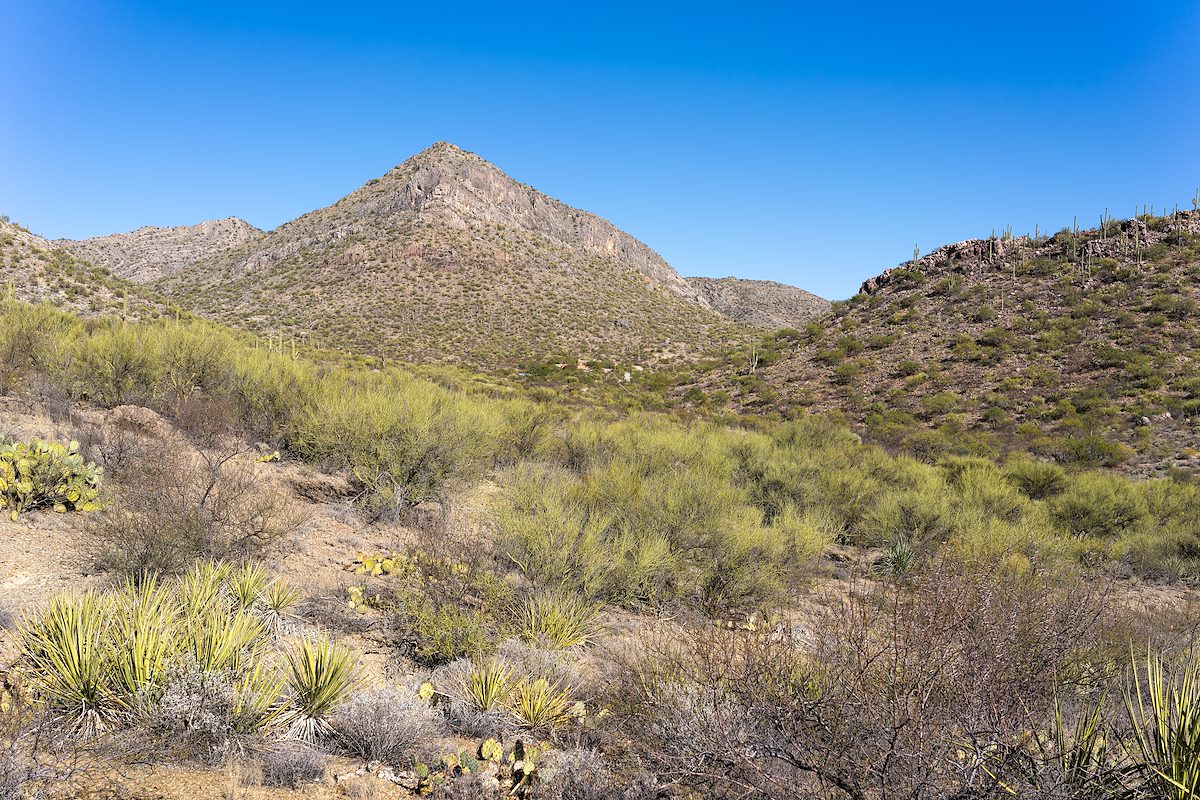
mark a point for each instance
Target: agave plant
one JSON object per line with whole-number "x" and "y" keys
{"x": 560, "y": 620}
{"x": 1164, "y": 711}
{"x": 320, "y": 675}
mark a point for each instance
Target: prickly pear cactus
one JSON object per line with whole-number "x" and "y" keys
{"x": 38, "y": 474}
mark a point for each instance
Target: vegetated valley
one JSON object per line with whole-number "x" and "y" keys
{"x": 451, "y": 490}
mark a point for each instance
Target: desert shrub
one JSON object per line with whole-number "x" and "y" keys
{"x": 1037, "y": 480}
{"x": 39, "y": 758}
{"x": 39, "y": 474}
{"x": 192, "y": 359}
{"x": 983, "y": 490}
{"x": 438, "y": 608}
{"x": 914, "y": 516}
{"x": 578, "y": 774}
{"x": 32, "y": 338}
{"x": 116, "y": 365}
{"x": 175, "y": 501}
{"x": 386, "y": 725}
{"x": 404, "y": 441}
{"x": 196, "y": 714}
{"x": 1093, "y": 451}
{"x": 903, "y": 684}
{"x": 291, "y": 765}
{"x": 1097, "y": 505}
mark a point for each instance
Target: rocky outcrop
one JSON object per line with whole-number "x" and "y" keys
{"x": 1119, "y": 239}
{"x": 149, "y": 253}
{"x": 764, "y": 304}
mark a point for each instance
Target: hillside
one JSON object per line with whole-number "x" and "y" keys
{"x": 763, "y": 304}
{"x": 444, "y": 259}
{"x": 34, "y": 270}
{"x": 149, "y": 253}
{"x": 1081, "y": 347}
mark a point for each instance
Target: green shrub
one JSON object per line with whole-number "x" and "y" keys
{"x": 1097, "y": 505}
{"x": 1037, "y": 480}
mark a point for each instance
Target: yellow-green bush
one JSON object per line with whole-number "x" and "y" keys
{"x": 628, "y": 507}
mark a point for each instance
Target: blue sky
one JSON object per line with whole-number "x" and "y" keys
{"x": 811, "y": 144}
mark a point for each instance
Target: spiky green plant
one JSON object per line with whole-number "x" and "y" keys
{"x": 143, "y": 642}
{"x": 278, "y": 598}
{"x": 559, "y": 619}
{"x": 540, "y": 704}
{"x": 320, "y": 675}
{"x": 257, "y": 703}
{"x": 222, "y": 640}
{"x": 246, "y": 585}
{"x": 487, "y": 685}
{"x": 203, "y": 587}
{"x": 67, "y": 648}
{"x": 1164, "y": 712}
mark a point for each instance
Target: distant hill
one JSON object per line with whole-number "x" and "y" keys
{"x": 1082, "y": 347}
{"x": 149, "y": 253}
{"x": 445, "y": 258}
{"x": 763, "y": 304}
{"x": 36, "y": 271}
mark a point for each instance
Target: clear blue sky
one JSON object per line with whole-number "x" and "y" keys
{"x": 812, "y": 145}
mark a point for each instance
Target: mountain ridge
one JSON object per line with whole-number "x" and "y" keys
{"x": 150, "y": 252}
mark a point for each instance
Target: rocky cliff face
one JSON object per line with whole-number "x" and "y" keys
{"x": 150, "y": 253}
{"x": 763, "y": 304}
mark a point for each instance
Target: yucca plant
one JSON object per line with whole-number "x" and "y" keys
{"x": 540, "y": 704}
{"x": 278, "y": 598}
{"x": 222, "y": 640}
{"x": 203, "y": 587}
{"x": 1164, "y": 712}
{"x": 320, "y": 675}
{"x": 67, "y": 647}
{"x": 257, "y": 703}
{"x": 559, "y": 619}
{"x": 487, "y": 685}
{"x": 143, "y": 642}
{"x": 246, "y": 585}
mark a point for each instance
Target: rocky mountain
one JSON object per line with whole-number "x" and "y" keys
{"x": 1082, "y": 347}
{"x": 34, "y": 270}
{"x": 149, "y": 253}
{"x": 764, "y": 304}
{"x": 446, "y": 258}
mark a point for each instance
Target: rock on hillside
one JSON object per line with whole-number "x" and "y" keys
{"x": 149, "y": 253}
{"x": 764, "y": 304}
{"x": 446, "y": 258}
